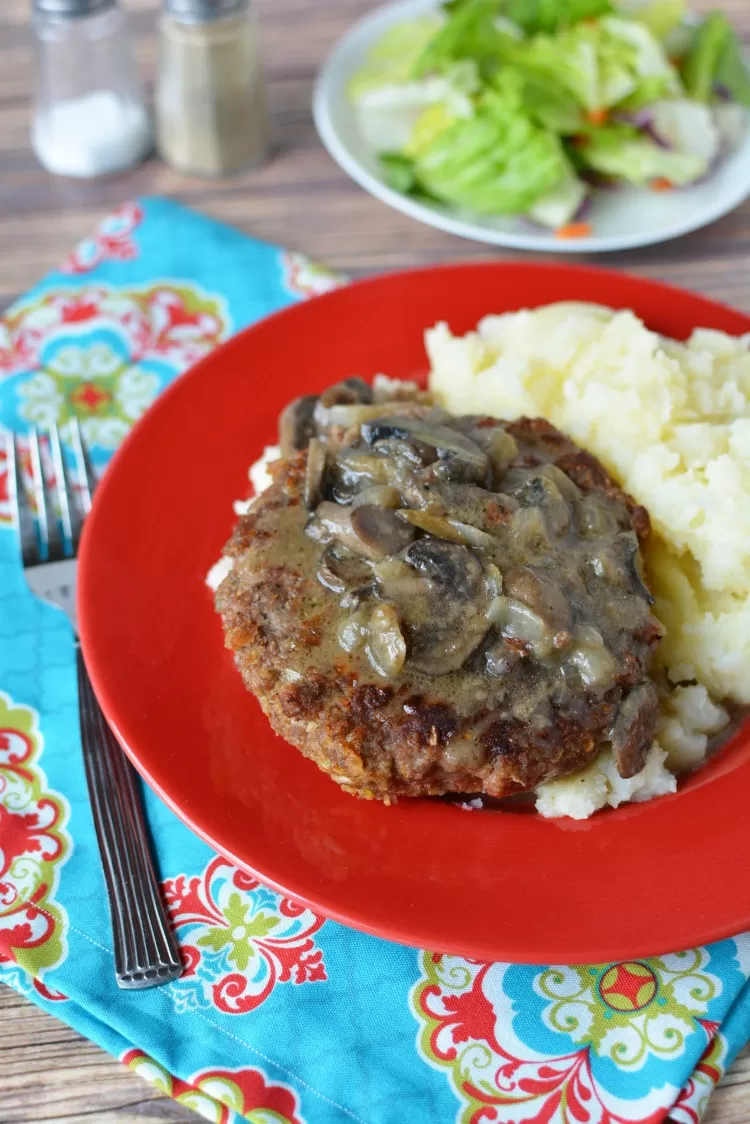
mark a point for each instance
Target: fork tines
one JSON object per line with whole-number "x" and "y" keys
{"x": 45, "y": 538}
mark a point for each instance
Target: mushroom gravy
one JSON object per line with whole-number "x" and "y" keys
{"x": 489, "y": 570}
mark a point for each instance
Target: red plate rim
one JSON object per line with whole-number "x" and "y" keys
{"x": 488, "y": 886}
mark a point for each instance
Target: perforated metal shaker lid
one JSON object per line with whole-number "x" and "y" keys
{"x": 201, "y": 11}
{"x": 71, "y": 9}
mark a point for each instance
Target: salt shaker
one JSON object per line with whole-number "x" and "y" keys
{"x": 89, "y": 114}
{"x": 210, "y": 96}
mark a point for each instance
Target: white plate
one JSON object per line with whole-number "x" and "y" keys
{"x": 620, "y": 220}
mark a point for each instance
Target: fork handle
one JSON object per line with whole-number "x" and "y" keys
{"x": 145, "y": 949}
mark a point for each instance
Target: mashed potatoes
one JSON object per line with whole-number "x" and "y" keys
{"x": 688, "y": 718}
{"x": 671, "y": 421}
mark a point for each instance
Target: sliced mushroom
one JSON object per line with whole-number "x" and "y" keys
{"x": 351, "y": 415}
{"x": 468, "y": 503}
{"x": 333, "y": 406}
{"x": 566, "y": 487}
{"x": 406, "y": 459}
{"x": 380, "y": 530}
{"x": 449, "y": 529}
{"x": 347, "y": 392}
{"x": 442, "y": 597}
{"x": 296, "y": 424}
{"x": 452, "y": 447}
{"x": 539, "y": 491}
{"x": 542, "y": 595}
{"x": 499, "y": 445}
{"x": 542, "y": 491}
{"x": 634, "y": 728}
{"x": 314, "y": 473}
{"x": 529, "y": 531}
{"x": 517, "y": 478}
{"x": 351, "y": 471}
{"x": 330, "y": 521}
{"x": 384, "y": 495}
{"x": 369, "y": 531}
{"x": 348, "y": 413}
{"x": 386, "y": 647}
{"x": 340, "y": 571}
{"x": 397, "y": 581}
{"x": 328, "y": 577}
{"x": 452, "y": 567}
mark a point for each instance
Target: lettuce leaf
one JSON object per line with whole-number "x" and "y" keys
{"x": 394, "y": 57}
{"x": 549, "y": 103}
{"x": 399, "y": 171}
{"x": 715, "y": 59}
{"x": 569, "y": 59}
{"x": 496, "y": 162}
{"x": 469, "y": 33}
{"x": 618, "y": 150}
{"x": 686, "y": 125}
{"x": 701, "y": 61}
{"x": 388, "y": 114}
{"x": 602, "y": 64}
{"x": 731, "y": 72}
{"x": 551, "y": 16}
{"x": 560, "y": 205}
{"x": 630, "y": 44}
{"x": 429, "y": 125}
{"x": 661, "y": 17}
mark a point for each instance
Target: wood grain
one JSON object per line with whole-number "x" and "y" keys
{"x": 301, "y": 199}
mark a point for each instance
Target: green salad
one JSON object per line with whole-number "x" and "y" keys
{"x": 522, "y": 107}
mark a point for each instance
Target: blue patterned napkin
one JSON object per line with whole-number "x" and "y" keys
{"x": 281, "y": 1017}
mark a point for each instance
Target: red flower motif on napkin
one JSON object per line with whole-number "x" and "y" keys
{"x": 111, "y": 241}
{"x": 244, "y": 938}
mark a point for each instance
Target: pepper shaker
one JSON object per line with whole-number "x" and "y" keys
{"x": 89, "y": 114}
{"x": 210, "y": 97}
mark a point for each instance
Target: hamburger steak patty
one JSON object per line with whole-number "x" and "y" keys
{"x": 426, "y": 604}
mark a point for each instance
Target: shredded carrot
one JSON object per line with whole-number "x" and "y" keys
{"x": 597, "y": 116}
{"x": 574, "y": 230}
{"x": 662, "y": 184}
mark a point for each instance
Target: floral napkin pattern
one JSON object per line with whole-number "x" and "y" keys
{"x": 281, "y": 1017}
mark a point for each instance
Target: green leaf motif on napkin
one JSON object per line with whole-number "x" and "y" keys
{"x": 239, "y": 940}
{"x": 102, "y": 354}
{"x": 240, "y": 932}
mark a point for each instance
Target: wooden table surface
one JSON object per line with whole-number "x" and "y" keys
{"x": 301, "y": 199}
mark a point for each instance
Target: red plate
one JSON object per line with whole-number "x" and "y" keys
{"x": 645, "y": 879}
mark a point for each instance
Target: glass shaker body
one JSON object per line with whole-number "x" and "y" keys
{"x": 212, "y": 117}
{"x": 89, "y": 112}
